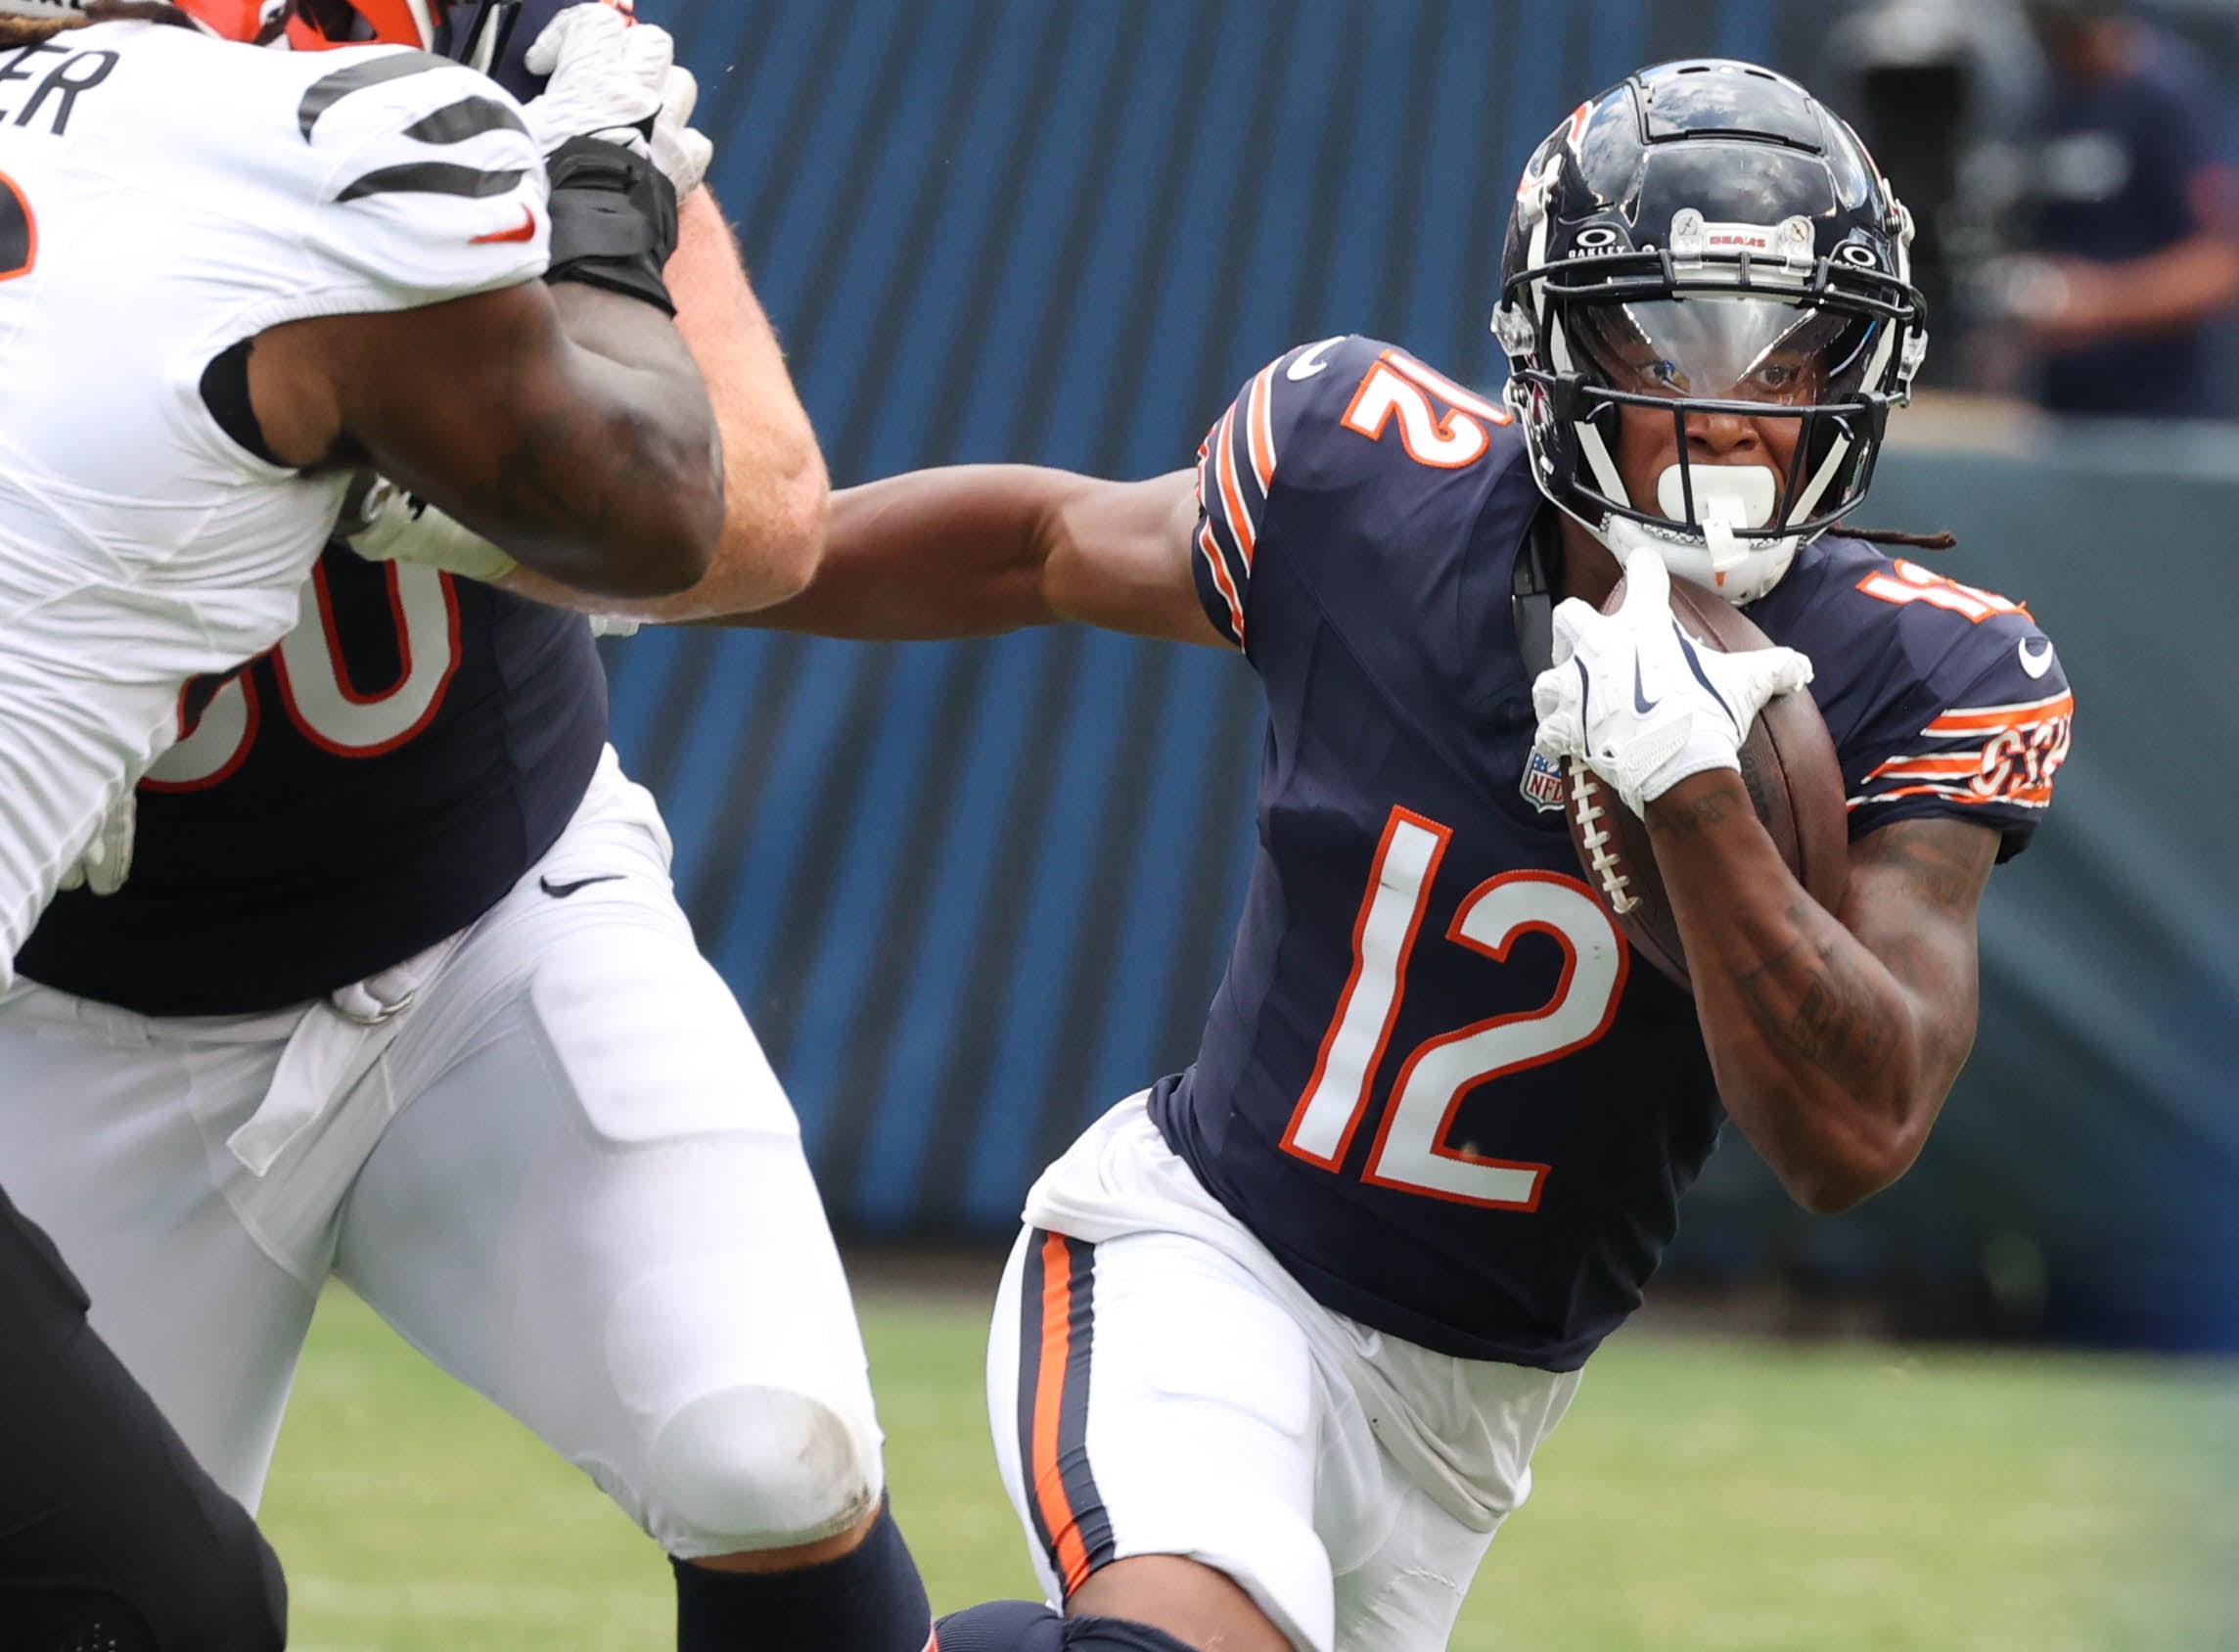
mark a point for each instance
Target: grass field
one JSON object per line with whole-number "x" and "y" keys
{"x": 1705, "y": 1496}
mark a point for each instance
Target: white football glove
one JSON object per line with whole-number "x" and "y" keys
{"x": 682, "y": 152}
{"x": 616, "y": 80}
{"x": 107, "y": 860}
{"x": 1643, "y": 704}
{"x": 383, "y": 523}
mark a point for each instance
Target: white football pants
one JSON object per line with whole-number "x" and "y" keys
{"x": 549, "y": 1152}
{"x": 1158, "y": 1384}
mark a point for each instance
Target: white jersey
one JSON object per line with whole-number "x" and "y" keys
{"x": 163, "y": 196}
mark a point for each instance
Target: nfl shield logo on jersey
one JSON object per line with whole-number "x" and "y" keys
{"x": 1542, "y": 783}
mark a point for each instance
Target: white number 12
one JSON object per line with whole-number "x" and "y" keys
{"x": 1412, "y": 1152}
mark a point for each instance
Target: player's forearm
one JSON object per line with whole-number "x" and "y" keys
{"x": 2182, "y": 287}
{"x": 563, "y": 423}
{"x": 621, "y": 488}
{"x": 1816, "y": 1045}
{"x": 777, "y": 497}
{"x": 2179, "y": 288}
{"x": 959, "y": 552}
{"x": 775, "y": 493}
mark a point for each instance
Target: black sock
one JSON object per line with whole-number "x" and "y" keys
{"x": 870, "y": 1599}
{"x": 1025, "y": 1626}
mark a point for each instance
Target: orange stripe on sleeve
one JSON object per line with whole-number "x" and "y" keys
{"x": 1231, "y": 490}
{"x": 1227, "y": 586}
{"x": 2022, "y": 795}
{"x": 1994, "y": 719}
{"x": 1260, "y": 428}
{"x": 1964, "y": 764}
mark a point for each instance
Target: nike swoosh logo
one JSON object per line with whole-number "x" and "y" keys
{"x": 2037, "y": 665}
{"x": 560, "y": 891}
{"x": 525, "y": 231}
{"x": 1640, "y": 700}
{"x": 1314, "y": 360}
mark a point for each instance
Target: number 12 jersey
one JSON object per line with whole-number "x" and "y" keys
{"x": 1433, "y": 1081}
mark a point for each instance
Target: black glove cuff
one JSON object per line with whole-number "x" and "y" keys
{"x": 614, "y": 221}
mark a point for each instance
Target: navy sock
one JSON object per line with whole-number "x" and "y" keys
{"x": 1002, "y": 1626}
{"x": 1116, "y": 1635}
{"x": 1027, "y": 1625}
{"x": 870, "y": 1599}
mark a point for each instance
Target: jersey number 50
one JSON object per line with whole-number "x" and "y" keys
{"x": 1414, "y": 1151}
{"x": 317, "y": 691}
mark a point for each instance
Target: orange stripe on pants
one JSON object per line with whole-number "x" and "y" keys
{"x": 1049, "y": 1395}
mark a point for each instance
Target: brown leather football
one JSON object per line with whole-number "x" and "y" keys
{"x": 1788, "y": 766}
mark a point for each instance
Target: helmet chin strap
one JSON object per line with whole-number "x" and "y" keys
{"x": 1726, "y": 497}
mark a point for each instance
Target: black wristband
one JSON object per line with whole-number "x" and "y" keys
{"x": 614, "y": 221}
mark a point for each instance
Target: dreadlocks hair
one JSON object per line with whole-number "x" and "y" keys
{"x": 29, "y": 31}
{"x": 1941, "y": 540}
{"x": 141, "y": 11}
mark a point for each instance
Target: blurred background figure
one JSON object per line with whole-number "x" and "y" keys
{"x": 1940, "y": 90}
{"x": 2135, "y": 233}
{"x": 2070, "y": 166}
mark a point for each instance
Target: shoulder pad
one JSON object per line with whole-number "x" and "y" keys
{"x": 1344, "y": 417}
{"x": 428, "y": 184}
{"x": 1950, "y": 699}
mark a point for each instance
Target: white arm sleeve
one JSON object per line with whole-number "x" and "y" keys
{"x": 428, "y": 185}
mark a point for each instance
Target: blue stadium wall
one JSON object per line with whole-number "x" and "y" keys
{"x": 973, "y": 894}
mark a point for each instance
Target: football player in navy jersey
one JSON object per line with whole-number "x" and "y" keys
{"x": 1273, "y": 1352}
{"x": 397, "y": 989}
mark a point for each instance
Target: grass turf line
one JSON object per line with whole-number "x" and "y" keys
{"x": 1703, "y": 1495}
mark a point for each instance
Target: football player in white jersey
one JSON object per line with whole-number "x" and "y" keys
{"x": 398, "y": 991}
{"x": 229, "y": 278}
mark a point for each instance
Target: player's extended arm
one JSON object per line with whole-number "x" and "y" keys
{"x": 974, "y": 550}
{"x": 1835, "y": 1037}
{"x": 567, "y": 421}
{"x": 776, "y": 495}
{"x": 2176, "y": 288}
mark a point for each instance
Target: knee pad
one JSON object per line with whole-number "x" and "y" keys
{"x": 755, "y": 1467}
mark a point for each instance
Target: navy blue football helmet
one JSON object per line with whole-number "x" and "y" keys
{"x": 495, "y": 36}
{"x": 1708, "y": 239}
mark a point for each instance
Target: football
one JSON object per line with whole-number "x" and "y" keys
{"x": 1788, "y": 766}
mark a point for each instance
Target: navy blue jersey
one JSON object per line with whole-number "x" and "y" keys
{"x": 1433, "y": 1081}
{"x": 374, "y": 784}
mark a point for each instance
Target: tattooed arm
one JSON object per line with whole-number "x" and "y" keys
{"x": 1835, "y": 1037}
{"x": 566, "y": 423}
